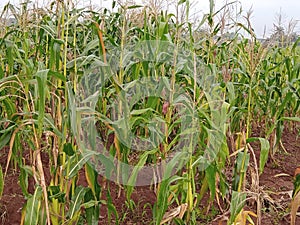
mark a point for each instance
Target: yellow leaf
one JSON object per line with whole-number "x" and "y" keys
{"x": 242, "y": 217}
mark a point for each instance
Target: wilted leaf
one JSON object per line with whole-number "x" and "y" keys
{"x": 243, "y": 216}
{"x": 294, "y": 208}
{"x": 177, "y": 212}
{"x": 295, "y": 197}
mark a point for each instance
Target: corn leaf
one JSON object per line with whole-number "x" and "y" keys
{"x": 236, "y": 205}
{"x": 77, "y": 200}
{"x": 33, "y": 207}
{"x": 264, "y": 151}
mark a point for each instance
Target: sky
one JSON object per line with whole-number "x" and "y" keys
{"x": 265, "y": 12}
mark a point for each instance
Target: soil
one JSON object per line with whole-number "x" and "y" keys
{"x": 275, "y": 186}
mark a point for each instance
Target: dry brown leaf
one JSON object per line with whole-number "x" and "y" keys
{"x": 282, "y": 175}
{"x": 240, "y": 141}
{"x": 177, "y": 212}
{"x": 294, "y": 208}
{"x": 297, "y": 171}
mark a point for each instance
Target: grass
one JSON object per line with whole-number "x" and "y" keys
{"x": 71, "y": 78}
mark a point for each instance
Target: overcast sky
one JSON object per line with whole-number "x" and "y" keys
{"x": 265, "y": 12}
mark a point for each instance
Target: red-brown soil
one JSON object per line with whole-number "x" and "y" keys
{"x": 12, "y": 200}
{"x": 274, "y": 185}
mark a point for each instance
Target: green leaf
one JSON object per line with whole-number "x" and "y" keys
{"x": 161, "y": 204}
{"x": 240, "y": 168}
{"x": 296, "y": 185}
{"x": 296, "y": 119}
{"x": 4, "y": 139}
{"x": 231, "y": 94}
{"x": 76, "y": 164}
{"x": 68, "y": 149}
{"x": 238, "y": 200}
{"x": 33, "y": 207}
{"x": 76, "y": 201}
{"x": 113, "y": 4}
{"x": 90, "y": 204}
{"x": 132, "y": 180}
{"x": 211, "y": 180}
{"x": 55, "y": 193}
{"x": 108, "y": 163}
{"x": 57, "y": 75}
{"x": 264, "y": 151}
{"x": 92, "y": 208}
{"x": 48, "y": 121}
{"x": 91, "y": 176}
{"x": 286, "y": 100}
{"x": 111, "y": 208}
{"x": 181, "y": 2}
{"x": 140, "y": 111}
{"x": 23, "y": 179}
{"x": 134, "y": 6}
{"x": 41, "y": 77}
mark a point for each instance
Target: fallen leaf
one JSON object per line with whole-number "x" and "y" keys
{"x": 177, "y": 212}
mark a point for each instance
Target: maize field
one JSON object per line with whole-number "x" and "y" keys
{"x": 137, "y": 115}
